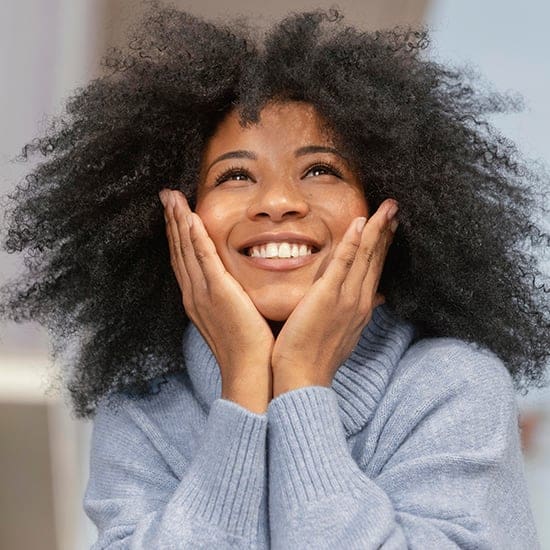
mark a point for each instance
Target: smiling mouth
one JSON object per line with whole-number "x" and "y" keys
{"x": 276, "y": 251}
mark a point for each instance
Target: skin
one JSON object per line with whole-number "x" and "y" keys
{"x": 274, "y": 331}
{"x": 278, "y": 191}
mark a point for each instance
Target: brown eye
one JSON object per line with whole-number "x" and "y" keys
{"x": 236, "y": 174}
{"x": 324, "y": 169}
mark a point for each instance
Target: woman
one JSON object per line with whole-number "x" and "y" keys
{"x": 346, "y": 379}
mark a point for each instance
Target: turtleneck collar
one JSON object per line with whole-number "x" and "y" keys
{"x": 359, "y": 383}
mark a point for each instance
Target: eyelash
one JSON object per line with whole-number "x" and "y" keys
{"x": 238, "y": 171}
{"x": 229, "y": 173}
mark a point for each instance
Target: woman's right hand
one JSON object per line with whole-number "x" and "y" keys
{"x": 222, "y": 311}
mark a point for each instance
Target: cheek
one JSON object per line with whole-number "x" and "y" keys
{"x": 343, "y": 210}
{"x": 356, "y": 203}
{"x": 216, "y": 218}
{"x": 355, "y": 209}
{"x": 344, "y": 199}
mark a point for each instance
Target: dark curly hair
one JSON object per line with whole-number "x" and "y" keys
{"x": 463, "y": 260}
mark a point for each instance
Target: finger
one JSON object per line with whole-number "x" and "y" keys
{"x": 369, "y": 296}
{"x": 176, "y": 250}
{"x": 185, "y": 254}
{"x": 382, "y": 253}
{"x": 369, "y": 290}
{"x": 177, "y": 259}
{"x": 205, "y": 266}
{"x": 170, "y": 230}
{"x": 344, "y": 255}
{"x": 369, "y": 260}
{"x": 347, "y": 254}
{"x": 205, "y": 251}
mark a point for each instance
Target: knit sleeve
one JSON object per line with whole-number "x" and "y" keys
{"x": 438, "y": 466}
{"x": 137, "y": 501}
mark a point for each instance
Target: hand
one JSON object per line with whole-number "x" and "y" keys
{"x": 326, "y": 325}
{"x": 236, "y": 332}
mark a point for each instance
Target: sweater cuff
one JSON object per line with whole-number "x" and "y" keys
{"x": 226, "y": 478}
{"x": 309, "y": 452}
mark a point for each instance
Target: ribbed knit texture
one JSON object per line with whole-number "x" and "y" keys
{"x": 415, "y": 445}
{"x": 232, "y": 475}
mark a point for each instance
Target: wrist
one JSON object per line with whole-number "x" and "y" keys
{"x": 285, "y": 381}
{"x": 249, "y": 402}
{"x": 252, "y": 395}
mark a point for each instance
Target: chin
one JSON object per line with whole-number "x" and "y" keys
{"x": 278, "y": 304}
{"x": 276, "y": 311}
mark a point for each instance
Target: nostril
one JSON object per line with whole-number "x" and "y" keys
{"x": 278, "y": 206}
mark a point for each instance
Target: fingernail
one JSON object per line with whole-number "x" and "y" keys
{"x": 394, "y": 225}
{"x": 162, "y": 197}
{"x": 392, "y": 211}
{"x": 360, "y": 223}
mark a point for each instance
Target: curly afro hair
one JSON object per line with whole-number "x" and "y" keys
{"x": 463, "y": 260}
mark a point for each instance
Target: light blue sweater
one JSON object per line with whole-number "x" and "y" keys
{"x": 415, "y": 446}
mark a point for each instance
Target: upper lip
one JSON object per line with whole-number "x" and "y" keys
{"x": 284, "y": 236}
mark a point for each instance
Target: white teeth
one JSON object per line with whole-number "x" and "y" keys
{"x": 280, "y": 250}
{"x": 271, "y": 250}
{"x": 284, "y": 250}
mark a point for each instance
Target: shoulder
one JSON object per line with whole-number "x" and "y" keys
{"x": 161, "y": 392}
{"x": 446, "y": 398}
{"x": 440, "y": 365}
{"x": 446, "y": 391}
{"x": 168, "y": 401}
{"x": 159, "y": 428}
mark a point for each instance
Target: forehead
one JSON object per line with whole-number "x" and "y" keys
{"x": 281, "y": 127}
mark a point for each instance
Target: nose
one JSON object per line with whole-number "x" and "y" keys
{"x": 278, "y": 200}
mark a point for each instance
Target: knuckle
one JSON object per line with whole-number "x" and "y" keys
{"x": 194, "y": 239}
{"x": 185, "y": 246}
{"x": 347, "y": 258}
{"x": 201, "y": 256}
{"x": 349, "y": 262}
{"x": 348, "y": 300}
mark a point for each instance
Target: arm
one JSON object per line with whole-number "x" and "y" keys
{"x": 137, "y": 500}
{"x": 140, "y": 493}
{"x": 439, "y": 465}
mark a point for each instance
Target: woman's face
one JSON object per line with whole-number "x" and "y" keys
{"x": 279, "y": 181}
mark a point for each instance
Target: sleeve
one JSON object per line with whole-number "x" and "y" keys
{"x": 137, "y": 502}
{"x": 443, "y": 469}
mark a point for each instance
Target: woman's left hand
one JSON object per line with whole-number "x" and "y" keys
{"x": 326, "y": 325}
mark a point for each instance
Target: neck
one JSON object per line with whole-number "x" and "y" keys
{"x": 359, "y": 382}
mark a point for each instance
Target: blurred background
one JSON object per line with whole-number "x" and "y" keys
{"x": 49, "y": 48}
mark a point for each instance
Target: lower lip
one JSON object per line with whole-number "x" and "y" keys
{"x": 280, "y": 264}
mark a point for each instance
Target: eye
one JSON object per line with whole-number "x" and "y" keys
{"x": 234, "y": 173}
{"x": 324, "y": 168}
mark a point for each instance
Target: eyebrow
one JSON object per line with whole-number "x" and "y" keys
{"x": 307, "y": 150}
